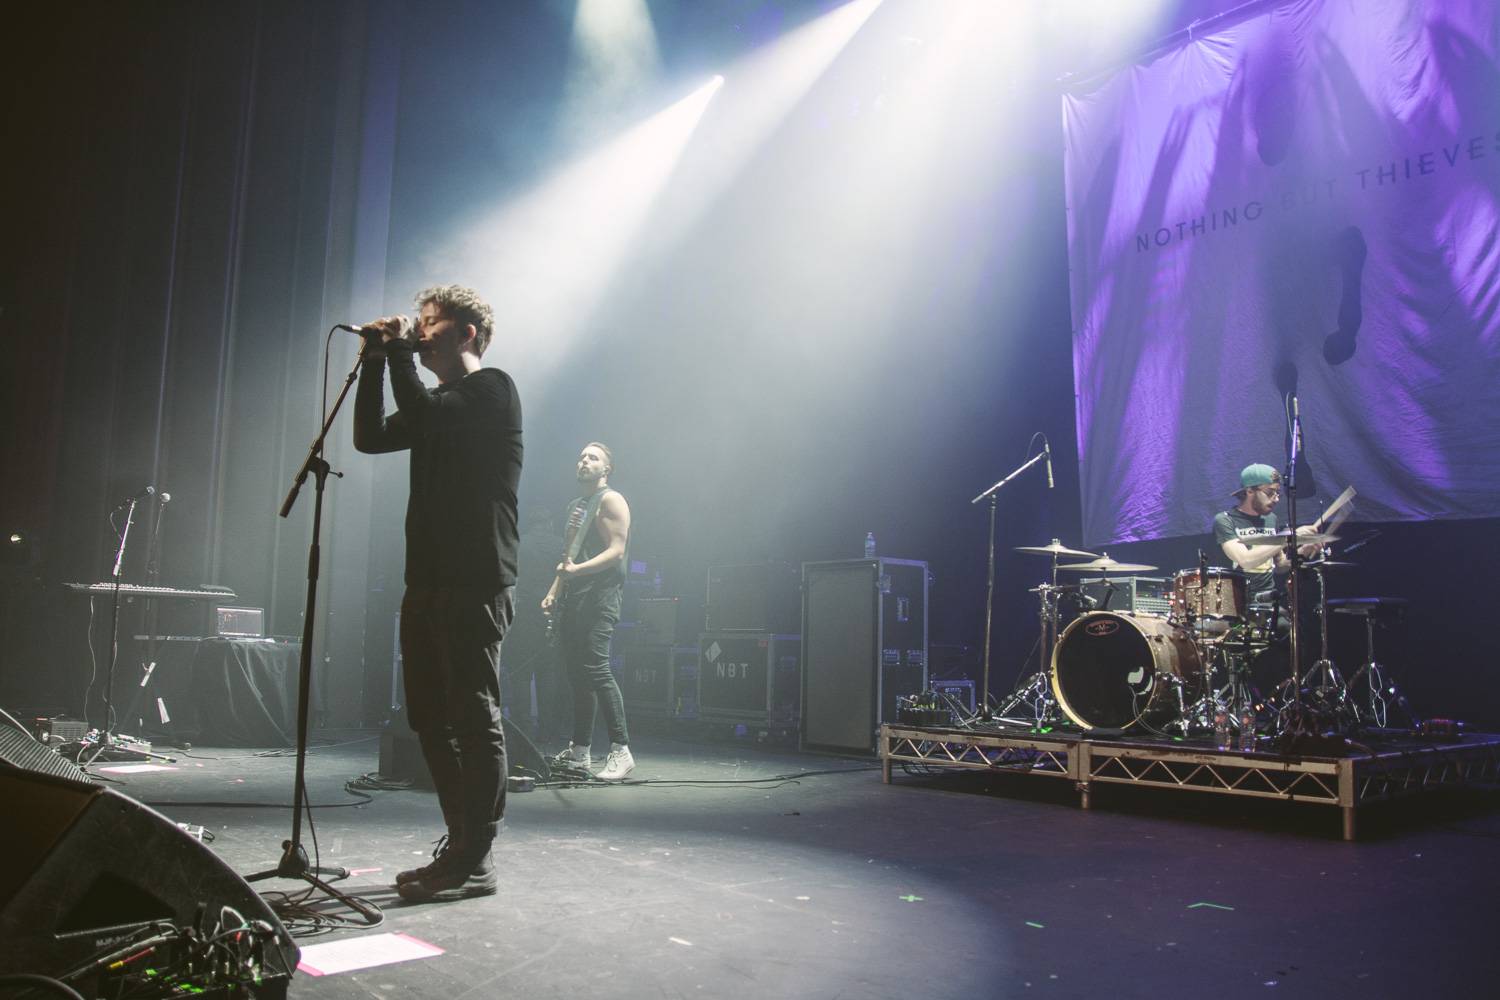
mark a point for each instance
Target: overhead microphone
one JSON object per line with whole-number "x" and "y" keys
{"x": 136, "y": 498}
{"x": 1047, "y": 450}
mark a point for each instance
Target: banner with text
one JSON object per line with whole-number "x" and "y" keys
{"x": 1304, "y": 204}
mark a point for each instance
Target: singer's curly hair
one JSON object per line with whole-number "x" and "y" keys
{"x": 463, "y": 305}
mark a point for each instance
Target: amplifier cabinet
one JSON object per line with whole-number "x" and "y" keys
{"x": 754, "y": 597}
{"x": 749, "y": 677}
{"x": 649, "y": 677}
{"x": 864, "y": 644}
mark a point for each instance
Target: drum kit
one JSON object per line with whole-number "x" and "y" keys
{"x": 1189, "y": 655}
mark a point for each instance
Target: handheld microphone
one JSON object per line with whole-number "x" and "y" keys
{"x": 1047, "y": 450}
{"x": 403, "y": 328}
{"x": 137, "y": 498}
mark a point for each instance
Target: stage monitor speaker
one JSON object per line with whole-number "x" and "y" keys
{"x": 864, "y": 644}
{"x": 87, "y": 870}
{"x": 20, "y": 750}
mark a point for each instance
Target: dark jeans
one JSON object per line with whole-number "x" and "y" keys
{"x": 588, "y": 624}
{"x": 450, "y": 653}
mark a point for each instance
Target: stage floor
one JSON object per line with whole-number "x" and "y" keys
{"x": 733, "y": 869}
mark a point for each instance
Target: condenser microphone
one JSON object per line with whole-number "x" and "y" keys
{"x": 137, "y": 498}
{"x": 1047, "y": 450}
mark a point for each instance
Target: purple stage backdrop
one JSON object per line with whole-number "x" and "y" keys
{"x": 1307, "y": 200}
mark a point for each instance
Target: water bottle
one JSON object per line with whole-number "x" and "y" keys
{"x": 869, "y": 545}
{"x": 1221, "y": 728}
{"x": 1247, "y": 731}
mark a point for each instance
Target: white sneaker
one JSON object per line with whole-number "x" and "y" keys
{"x": 617, "y": 765}
{"x": 573, "y": 758}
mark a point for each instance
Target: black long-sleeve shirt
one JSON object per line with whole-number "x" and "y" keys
{"x": 465, "y": 443}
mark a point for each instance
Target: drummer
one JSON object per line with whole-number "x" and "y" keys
{"x": 1265, "y": 567}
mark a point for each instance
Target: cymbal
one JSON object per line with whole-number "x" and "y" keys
{"x": 1281, "y": 538}
{"x": 1104, "y": 564}
{"x": 1329, "y": 564}
{"x": 1056, "y": 548}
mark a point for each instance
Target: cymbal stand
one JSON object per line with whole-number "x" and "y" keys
{"x": 1331, "y": 692}
{"x": 1036, "y": 691}
{"x": 989, "y": 589}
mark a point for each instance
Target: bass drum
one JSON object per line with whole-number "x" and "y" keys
{"x": 1106, "y": 665}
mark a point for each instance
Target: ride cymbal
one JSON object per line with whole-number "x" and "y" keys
{"x": 1104, "y": 564}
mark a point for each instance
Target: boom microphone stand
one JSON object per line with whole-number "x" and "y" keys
{"x": 109, "y": 743}
{"x": 1298, "y": 723}
{"x": 294, "y": 862}
{"x": 989, "y": 586}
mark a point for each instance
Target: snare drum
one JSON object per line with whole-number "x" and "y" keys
{"x": 1217, "y": 604}
{"x": 1107, "y": 669}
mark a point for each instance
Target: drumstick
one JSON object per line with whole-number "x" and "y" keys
{"x": 1343, "y": 498}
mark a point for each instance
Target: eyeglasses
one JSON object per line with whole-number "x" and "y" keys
{"x": 1270, "y": 491}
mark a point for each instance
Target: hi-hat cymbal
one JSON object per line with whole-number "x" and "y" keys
{"x": 1329, "y": 564}
{"x": 1056, "y": 548}
{"x": 1281, "y": 538}
{"x": 1104, "y": 564}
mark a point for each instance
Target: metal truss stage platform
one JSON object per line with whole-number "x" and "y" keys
{"x": 1376, "y": 769}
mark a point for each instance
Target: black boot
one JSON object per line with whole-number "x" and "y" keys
{"x": 466, "y": 870}
{"x": 440, "y": 855}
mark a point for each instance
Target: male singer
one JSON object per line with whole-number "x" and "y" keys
{"x": 465, "y": 443}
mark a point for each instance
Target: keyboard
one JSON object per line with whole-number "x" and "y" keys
{"x": 165, "y": 593}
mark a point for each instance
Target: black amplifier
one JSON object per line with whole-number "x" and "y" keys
{"x": 750, "y": 677}
{"x": 1138, "y": 595}
{"x": 650, "y": 678}
{"x": 755, "y": 597}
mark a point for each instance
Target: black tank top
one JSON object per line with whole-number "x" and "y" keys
{"x": 593, "y": 544}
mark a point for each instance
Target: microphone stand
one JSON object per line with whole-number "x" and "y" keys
{"x": 989, "y": 587}
{"x": 294, "y": 863}
{"x": 108, "y": 742}
{"x": 1294, "y": 556}
{"x": 150, "y": 621}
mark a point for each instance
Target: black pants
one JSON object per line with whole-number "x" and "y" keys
{"x": 450, "y": 653}
{"x": 587, "y": 626}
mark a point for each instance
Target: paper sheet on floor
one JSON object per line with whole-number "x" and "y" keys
{"x": 366, "y": 952}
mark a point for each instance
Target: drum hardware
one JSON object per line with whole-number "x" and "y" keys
{"x": 1378, "y": 689}
{"x": 1323, "y": 683}
{"x": 1035, "y": 692}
